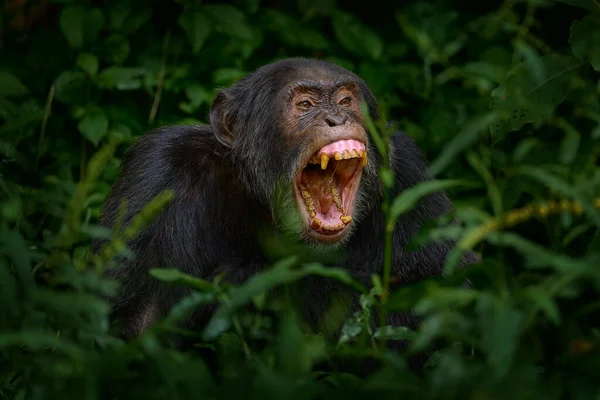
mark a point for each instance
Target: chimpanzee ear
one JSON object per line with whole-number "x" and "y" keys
{"x": 220, "y": 120}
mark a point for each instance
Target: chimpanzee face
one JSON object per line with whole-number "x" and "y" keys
{"x": 298, "y": 141}
{"x": 325, "y": 117}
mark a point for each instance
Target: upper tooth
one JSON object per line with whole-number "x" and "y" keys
{"x": 324, "y": 160}
{"x": 337, "y": 155}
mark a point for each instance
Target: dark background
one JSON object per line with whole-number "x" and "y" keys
{"x": 80, "y": 80}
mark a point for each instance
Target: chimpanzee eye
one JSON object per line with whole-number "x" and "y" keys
{"x": 304, "y": 104}
{"x": 345, "y": 101}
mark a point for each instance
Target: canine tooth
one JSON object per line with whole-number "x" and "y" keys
{"x": 364, "y": 155}
{"x": 346, "y": 219}
{"x": 337, "y": 155}
{"x": 316, "y": 223}
{"x": 324, "y": 160}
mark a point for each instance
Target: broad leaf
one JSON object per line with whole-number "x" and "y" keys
{"x": 94, "y": 125}
{"x": 521, "y": 100}
{"x": 585, "y": 39}
{"x": 71, "y": 22}
{"x": 355, "y": 36}
{"x": 196, "y": 27}
{"x": 10, "y": 85}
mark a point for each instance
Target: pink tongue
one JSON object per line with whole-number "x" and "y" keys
{"x": 341, "y": 145}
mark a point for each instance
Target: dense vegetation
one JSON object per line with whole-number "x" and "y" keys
{"x": 504, "y": 98}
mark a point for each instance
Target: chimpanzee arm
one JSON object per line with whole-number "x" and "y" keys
{"x": 169, "y": 158}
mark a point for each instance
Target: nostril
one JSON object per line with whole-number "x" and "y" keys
{"x": 335, "y": 120}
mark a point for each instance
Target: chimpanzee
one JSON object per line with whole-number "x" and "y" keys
{"x": 286, "y": 149}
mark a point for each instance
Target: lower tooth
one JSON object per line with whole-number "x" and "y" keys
{"x": 346, "y": 219}
{"x": 316, "y": 223}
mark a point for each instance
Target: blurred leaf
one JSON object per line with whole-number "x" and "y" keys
{"x": 545, "y": 303}
{"x": 94, "y": 125}
{"x": 228, "y": 20}
{"x": 409, "y": 198}
{"x": 176, "y": 276}
{"x": 196, "y": 27}
{"x": 520, "y": 100}
{"x": 135, "y": 21}
{"x": 281, "y": 273}
{"x": 394, "y": 333}
{"x": 355, "y": 36}
{"x": 72, "y": 24}
{"x": 119, "y": 11}
{"x": 560, "y": 186}
{"x": 585, "y": 39}
{"x": 11, "y": 86}
{"x": 500, "y": 325}
{"x": 465, "y": 138}
{"x": 120, "y": 78}
{"x": 570, "y": 143}
{"x": 70, "y": 87}
{"x": 311, "y": 8}
{"x": 297, "y": 353}
{"x": 291, "y": 32}
{"x": 88, "y": 63}
{"x": 227, "y": 76}
{"x": 92, "y": 24}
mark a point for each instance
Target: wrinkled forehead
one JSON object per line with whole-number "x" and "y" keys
{"x": 319, "y": 80}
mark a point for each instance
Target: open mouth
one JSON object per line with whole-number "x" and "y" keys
{"x": 326, "y": 187}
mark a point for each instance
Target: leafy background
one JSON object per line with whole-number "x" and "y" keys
{"x": 503, "y": 97}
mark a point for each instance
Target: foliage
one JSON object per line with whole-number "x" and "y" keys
{"x": 503, "y": 98}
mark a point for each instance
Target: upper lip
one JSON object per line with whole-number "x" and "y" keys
{"x": 337, "y": 133}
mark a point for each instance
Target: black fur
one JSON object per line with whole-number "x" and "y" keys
{"x": 223, "y": 185}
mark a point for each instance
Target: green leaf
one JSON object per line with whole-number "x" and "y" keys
{"x": 535, "y": 256}
{"x": 121, "y": 78}
{"x": 228, "y": 20}
{"x": 227, "y": 76}
{"x": 394, "y": 333}
{"x": 355, "y": 36}
{"x": 118, "y": 13}
{"x": 135, "y": 21}
{"x": 409, "y": 198}
{"x": 88, "y": 63}
{"x": 296, "y": 353}
{"x": 188, "y": 304}
{"x": 570, "y": 143}
{"x": 175, "y": 276}
{"x": 196, "y": 27}
{"x": 559, "y": 185}
{"x": 94, "y": 125}
{"x": 280, "y": 274}
{"x": 544, "y": 302}
{"x": 290, "y": 32}
{"x": 585, "y": 39}
{"x": 10, "y": 85}
{"x": 92, "y": 25}
{"x": 465, "y": 138}
{"x": 70, "y": 87}
{"x": 71, "y": 23}
{"x": 500, "y": 327}
{"x": 520, "y": 100}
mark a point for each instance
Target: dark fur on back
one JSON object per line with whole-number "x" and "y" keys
{"x": 222, "y": 196}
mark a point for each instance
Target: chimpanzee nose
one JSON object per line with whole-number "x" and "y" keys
{"x": 336, "y": 119}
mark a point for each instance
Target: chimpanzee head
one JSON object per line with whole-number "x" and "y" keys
{"x": 296, "y": 136}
